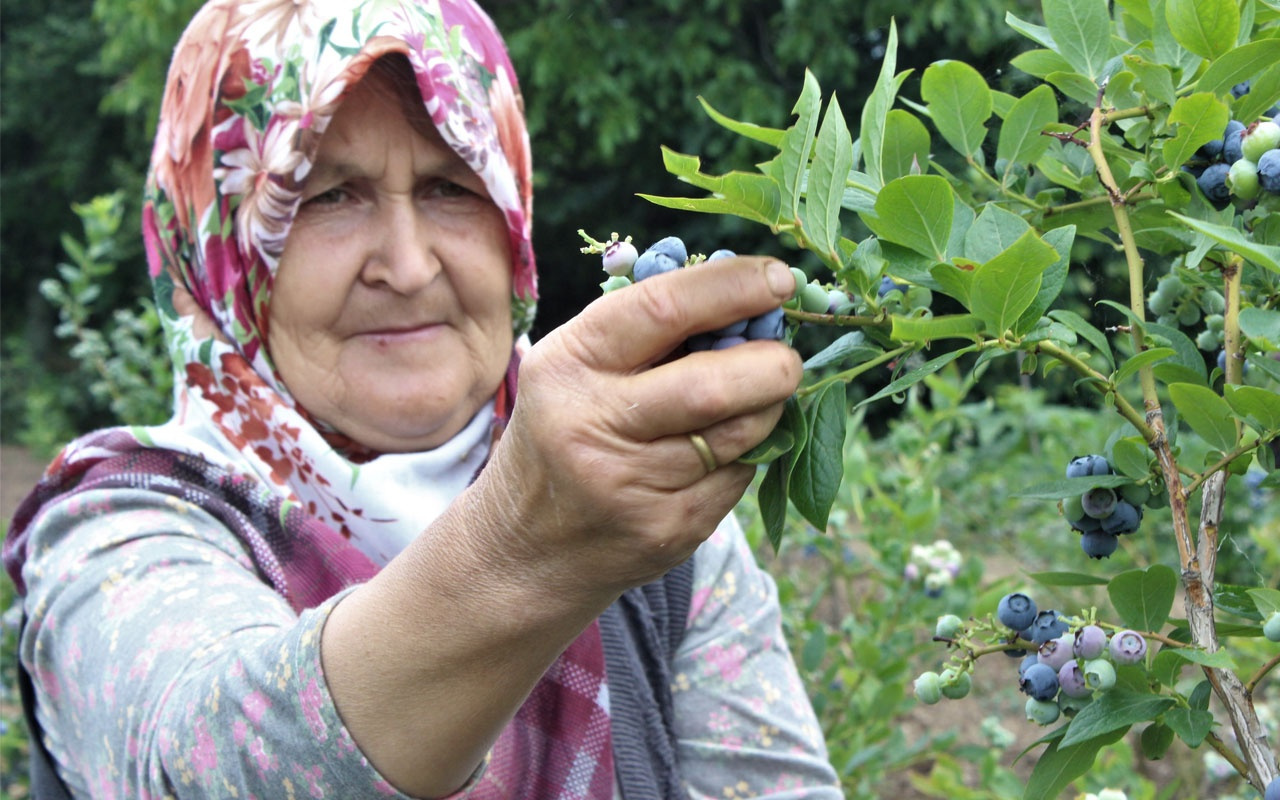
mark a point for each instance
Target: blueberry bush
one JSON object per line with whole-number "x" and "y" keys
{"x": 938, "y": 236}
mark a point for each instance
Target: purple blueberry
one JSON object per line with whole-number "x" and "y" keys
{"x": 1047, "y": 625}
{"x": 1273, "y": 790}
{"x": 673, "y": 248}
{"x": 1125, "y": 519}
{"x": 619, "y": 258}
{"x": 1071, "y": 679}
{"x": 1269, "y": 171}
{"x": 1099, "y": 502}
{"x": 1055, "y": 652}
{"x": 701, "y": 341}
{"x": 1027, "y": 662}
{"x": 1213, "y": 182}
{"x": 1090, "y": 642}
{"x": 888, "y": 284}
{"x": 721, "y": 253}
{"x": 725, "y": 342}
{"x": 1016, "y": 611}
{"x": 1098, "y": 544}
{"x": 1127, "y": 647}
{"x": 651, "y": 263}
{"x": 1241, "y": 89}
{"x": 1086, "y": 466}
{"x": 1039, "y": 681}
{"x": 768, "y": 325}
{"x": 1086, "y": 524}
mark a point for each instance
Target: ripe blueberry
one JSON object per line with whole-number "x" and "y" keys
{"x": 1232, "y": 140}
{"x": 738, "y": 328}
{"x": 1269, "y": 171}
{"x": 673, "y": 248}
{"x": 1273, "y": 790}
{"x": 1090, "y": 642}
{"x": 701, "y": 341}
{"x": 725, "y": 342}
{"x": 888, "y": 284}
{"x": 1124, "y": 519}
{"x": 1099, "y": 502}
{"x": 768, "y": 325}
{"x": 1027, "y": 662}
{"x": 1047, "y": 625}
{"x": 1016, "y": 611}
{"x": 1039, "y": 681}
{"x": 1127, "y": 647}
{"x": 1086, "y": 466}
{"x": 651, "y": 263}
{"x": 1099, "y": 544}
{"x": 721, "y": 253}
{"x": 1213, "y": 182}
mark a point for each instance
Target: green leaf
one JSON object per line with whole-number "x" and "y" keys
{"x": 1258, "y": 407}
{"x": 1261, "y": 325}
{"x": 1112, "y": 711}
{"x": 779, "y": 441}
{"x": 916, "y": 375}
{"x": 1145, "y": 358}
{"x": 906, "y": 140}
{"x": 1206, "y": 413}
{"x": 1143, "y": 597}
{"x": 788, "y": 167}
{"x": 1067, "y": 579}
{"x": 1062, "y": 488}
{"x": 993, "y": 232}
{"x": 769, "y": 136}
{"x": 1237, "y": 65}
{"x": 1082, "y": 30}
{"x": 1040, "y": 63}
{"x": 1188, "y": 354}
{"x": 1021, "y": 140}
{"x": 915, "y": 211}
{"x": 1155, "y": 741}
{"x": 1060, "y": 764}
{"x": 1155, "y": 80}
{"x": 1191, "y": 724}
{"x": 1220, "y": 659}
{"x": 927, "y": 329}
{"x": 1129, "y": 457}
{"x": 876, "y": 110}
{"x": 1200, "y": 119}
{"x": 772, "y": 497}
{"x": 1035, "y": 33}
{"x": 1006, "y": 285}
{"x": 745, "y": 194}
{"x": 959, "y": 102}
{"x": 851, "y": 347}
{"x": 821, "y": 465}
{"x": 1207, "y": 28}
{"x": 1086, "y": 331}
{"x": 1267, "y": 601}
{"x": 832, "y": 160}
{"x": 954, "y": 281}
{"x": 1263, "y": 93}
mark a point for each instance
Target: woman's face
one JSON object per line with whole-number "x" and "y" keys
{"x": 390, "y": 316}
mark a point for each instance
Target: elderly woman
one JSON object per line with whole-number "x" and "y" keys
{"x": 352, "y": 564}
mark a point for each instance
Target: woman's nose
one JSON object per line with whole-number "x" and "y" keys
{"x": 400, "y": 253}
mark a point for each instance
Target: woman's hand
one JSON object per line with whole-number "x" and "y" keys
{"x": 600, "y": 484}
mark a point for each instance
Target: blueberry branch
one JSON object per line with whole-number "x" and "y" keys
{"x": 1222, "y": 463}
{"x": 850, "y": 374}
{"x": 1253, "y": 682}
{"x": 1123, "y": 407}
{"x": 842, "y": 320}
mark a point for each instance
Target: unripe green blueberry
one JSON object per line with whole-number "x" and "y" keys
{"x": 813, "y": 298}
{"x": 918, "y": 297}
{"x": 1161, "y": 302}
{"x": 1042, "y": 712}
{"x": 1072, "y": 508}
{"x": 1099, "y": 674}
{"x": 1135, "y": 494}
{"x": 1189, "y": 315}
{"x": 928, "y": 688}
{"x": 615, "y": 282}
{"x": 1242, "y": 179}
{"x": 1258, "y": 139}
{"x": 948, "y": 626}
{"x": 955, "y": 684}
{"x": 802, "y": 281}
{"x": 1215, "y": 322}
{"x": 1212, "y": 301}
{"x": 1208, "y": 340}
{"x": 1271, "y": 628}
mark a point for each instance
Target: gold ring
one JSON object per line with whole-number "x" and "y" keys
{"x": 704, "y": 452}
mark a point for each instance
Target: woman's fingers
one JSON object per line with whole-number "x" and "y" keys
{"x": 633, "y": 328}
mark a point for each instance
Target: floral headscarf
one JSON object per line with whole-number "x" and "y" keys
{"x": 251, "y": 89}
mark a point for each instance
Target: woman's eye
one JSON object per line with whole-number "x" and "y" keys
{"x": 328, "y": 197}
{"x": 449, "y": 189}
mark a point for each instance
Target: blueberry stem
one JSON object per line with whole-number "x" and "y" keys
{"x": 1253, "y": 682}
{"x": 850, "y": 374}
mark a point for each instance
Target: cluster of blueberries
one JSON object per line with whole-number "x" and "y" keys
{"x": 1066, "y": 668}
{"x": 626, "y": 265}
{"x": 1102, "y": 514}
{"x": 1242, "y": 164}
